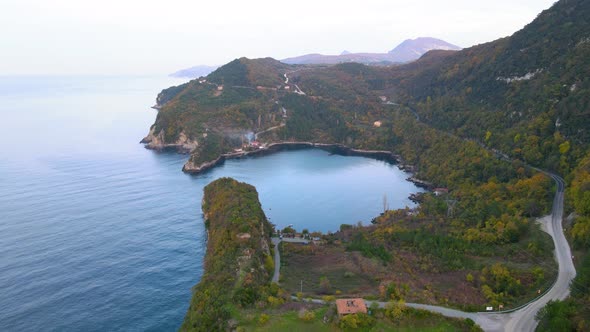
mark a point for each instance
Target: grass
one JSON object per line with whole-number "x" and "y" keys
{"x": 299, "y": 263}
{"x": 425, "y": 280}
{"x": 413, "y": 320}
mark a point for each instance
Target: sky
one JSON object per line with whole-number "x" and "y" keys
{"x": 145, "y": 37}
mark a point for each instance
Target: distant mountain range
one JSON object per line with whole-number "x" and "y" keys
{"x": 408, "y": 50}
{"x": 194, "y": 72}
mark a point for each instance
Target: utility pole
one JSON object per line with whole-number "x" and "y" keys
{"x": 450, "y": 206}
{"x": 301, "y": 286}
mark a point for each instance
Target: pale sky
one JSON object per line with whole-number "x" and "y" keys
{"x": 144, "y": 37}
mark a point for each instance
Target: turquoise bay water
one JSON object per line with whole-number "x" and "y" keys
{"x": 99, "y": 234}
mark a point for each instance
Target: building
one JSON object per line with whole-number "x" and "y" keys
{"x": 377, "y": 124}
{"x": 383, "y": 98}
{"x": 350, "y": 306}
{"x": 440, "y": 191}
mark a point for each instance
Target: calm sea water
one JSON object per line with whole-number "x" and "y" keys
{"x": 99, "y": 234}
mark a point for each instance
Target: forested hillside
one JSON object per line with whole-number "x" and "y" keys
{"x": 527, "y": 95}
{"x": 238, "y": 263}
{"x": 471, "y": 121}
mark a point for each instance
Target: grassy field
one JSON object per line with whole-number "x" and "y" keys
{"x": 308, "y": 264}
{"x": 413, "y": 320}
{"x": 419, "y": 277}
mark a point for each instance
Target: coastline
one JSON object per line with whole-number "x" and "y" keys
{"x": 336, "y": 148}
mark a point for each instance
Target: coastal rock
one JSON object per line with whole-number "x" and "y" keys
{"x": 191, "y": 167}
{"x": 157, "y": 141}
{"x": 420, "y": 183}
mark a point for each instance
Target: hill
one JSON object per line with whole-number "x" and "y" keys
{"x": 412, "y": 49}
{"x": 219, "y": 112}
{"x": 527, "y": 95}
{"x": 195, "y": 71}
{"x": 409, "y": 50}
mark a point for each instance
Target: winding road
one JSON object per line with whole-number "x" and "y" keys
{"x": 522, "y": 318}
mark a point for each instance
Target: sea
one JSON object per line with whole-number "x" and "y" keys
{"x": 98, "y": 233}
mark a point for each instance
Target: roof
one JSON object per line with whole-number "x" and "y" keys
{"x": 351, "y": 306}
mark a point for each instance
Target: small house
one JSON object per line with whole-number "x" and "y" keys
{"x": 440, "y": 191}
{"x": 350, "y": 306}
{"x": 377, "y": 124}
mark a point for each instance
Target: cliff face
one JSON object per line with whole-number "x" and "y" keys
{"x": 158, "y": 142}
{"x": 238, "y": 263}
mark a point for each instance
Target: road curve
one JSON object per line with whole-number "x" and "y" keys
{"x": 522, "y": 319}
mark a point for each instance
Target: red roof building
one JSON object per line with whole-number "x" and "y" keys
{"x": 350, "y": 306}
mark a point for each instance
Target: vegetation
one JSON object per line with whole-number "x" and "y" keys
{"x": 573, "y": 313}
{"x": 308, "y": 317}
{"x": 237, "y": 247}
{"x": 469, "y": 121}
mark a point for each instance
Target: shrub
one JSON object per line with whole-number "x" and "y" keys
{"x": 395, "y": 310}
{"x": 349, "y": 322}
{"x": 328, "y": 298}
{"x": 325, "y": 286}
{"x": 356, "y": 320}
{"x": 275, "y": 301}
{"x": 263, "y": 319}
{"x": 306, "y": 315}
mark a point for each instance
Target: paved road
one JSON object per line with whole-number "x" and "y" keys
{"x": 275, "y": 277}
{"x": 268, "y": 129}
{"x": 276, "y": 241}
{"x": 297, "y": 89}
{"x": 522, "y": 319}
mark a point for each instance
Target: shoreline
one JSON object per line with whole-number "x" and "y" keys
{"x": 334, "y": 148}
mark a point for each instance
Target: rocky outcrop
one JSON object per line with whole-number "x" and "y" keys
{"x": 191, "y": 167}
{"x": 157, "y": 141}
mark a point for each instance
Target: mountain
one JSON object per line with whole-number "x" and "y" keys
{"x": 194, "y": 72}
{"x": 529, "y": 91}
{"x": 412, "y": 49}
{"x": 409, "y": 50}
